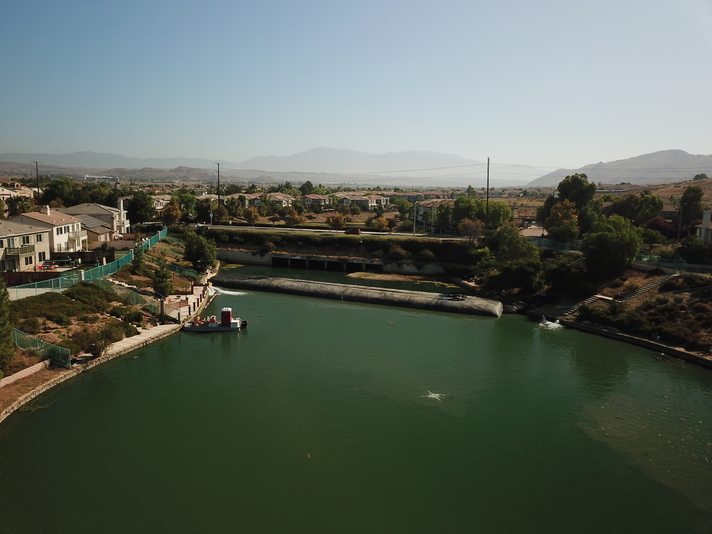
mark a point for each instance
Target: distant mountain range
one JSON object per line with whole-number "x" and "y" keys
{"x": 412, "y": 168}
{"x": 665, "y": 166}
{"x": 93, "y": 160}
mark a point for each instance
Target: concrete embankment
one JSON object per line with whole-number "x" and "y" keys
{"x": 372, "y": 295}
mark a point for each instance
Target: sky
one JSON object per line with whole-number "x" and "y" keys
{"x": 550, "y": 83}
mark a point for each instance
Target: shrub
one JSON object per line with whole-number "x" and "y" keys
{"x": 30, "y": 326}
{"x": 119, "y": 311}
{"x": 62, "y": 319}
{"x": 92, "y": 295}
{"x": 134, "y": 317}
{"x": 632, "y": 287}
{"x": 701, "y": 307}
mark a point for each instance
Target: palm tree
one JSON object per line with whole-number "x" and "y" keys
{"x": 18, "y": 205}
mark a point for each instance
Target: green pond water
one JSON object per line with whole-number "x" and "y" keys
{"x": 316, "y": 419}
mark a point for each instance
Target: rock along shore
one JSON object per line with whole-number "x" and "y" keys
{"x": 372, "y": 295}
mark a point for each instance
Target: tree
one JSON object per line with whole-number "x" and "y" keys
{"x": 659, "y": 224}
{"x": 499, "y": 213}
{"x": 691, "y": 204}
{"x": 464, "y": 208}
{"x": 380, "y": 224}
{"x": 694, "y": 250}
{"x": 577, "y": 189}
{"x": 163, "y": 278}
{"x": 611, "y": 246}
{"x": 18, "y": 205}
{"x": 562, "y": 222}
{"x": 307, "y": 188}
{"x": 651, "y": 206}
{"x": 140, "y": 207}
{"x": 63, "y": 188}
{"x": 402, "y": 205}
{"x": 626, "y": 206}
{"x": 507, "y": 245}
{"x": 199, "y": 251}
{"x": 138, "y": 256}
{"x": 336, "y": 221}
{"x": 651, "y": 238}
{"x": 187, "y": 202}
{"x": 471, "y": 229}
{"x": 251, "y": 215}
{"x": 203, "y": 210}
{"x": 234, "y": 207}
{"x": 443, "y": 216}
{"x": 701, "y": 176}
{"x": 171, "y": 212}
{"x": 7, "y": 344}
{"x": 545, "y": 210}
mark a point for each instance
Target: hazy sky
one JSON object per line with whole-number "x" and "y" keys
{"x": 556, "y": 83}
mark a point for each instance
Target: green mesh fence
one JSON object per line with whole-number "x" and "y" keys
{"x": 60, "y": 356}
{"x": 137, "y": 299}
{"x": 69, "y": 279}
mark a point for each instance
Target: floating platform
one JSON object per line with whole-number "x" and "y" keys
{"x": 372, "y": 295}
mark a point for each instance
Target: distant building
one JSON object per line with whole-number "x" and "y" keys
{"x": 704, "y": 230}
{"x": 114, "y": 218}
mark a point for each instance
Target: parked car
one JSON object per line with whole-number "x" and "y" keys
{"x": 353, "y": 231}
{"x": 47, "y": 266}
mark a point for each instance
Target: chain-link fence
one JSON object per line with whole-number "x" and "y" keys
{"x": 69, "y": 279}
{"x": 60, "y": 356}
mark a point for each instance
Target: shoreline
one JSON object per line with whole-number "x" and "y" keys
{"x": 468, "y": 305}
{"x": 120, "y": 348}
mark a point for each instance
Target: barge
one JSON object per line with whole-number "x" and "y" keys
{"x": 210, "y": 324}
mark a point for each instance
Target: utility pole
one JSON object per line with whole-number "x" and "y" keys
{"x": 487, "y": 203}
{"x": 37, "y": 172}
{"x": 415, "y": 215}
{"x": 218, "y": 164}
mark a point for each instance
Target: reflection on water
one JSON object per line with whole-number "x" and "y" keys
{"x": 317, "y": 419}
{"x": 342, "y": 278}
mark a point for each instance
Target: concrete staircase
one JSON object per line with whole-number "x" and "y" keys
{"x": 647, "y": 287}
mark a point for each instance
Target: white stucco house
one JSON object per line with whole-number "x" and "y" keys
{"x": 22, "y": 246}
{"x": 66, "y": 233}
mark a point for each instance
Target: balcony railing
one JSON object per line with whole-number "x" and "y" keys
{"x": 24, "y": 250}
{"x": 78, "y": 236}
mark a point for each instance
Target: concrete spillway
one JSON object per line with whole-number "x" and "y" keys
{"x": 372, "y": 295}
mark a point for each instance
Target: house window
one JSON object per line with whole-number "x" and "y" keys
{"x": 38, "y": 238}
{"x": 59, "y": 231}
{"x": 42, "y": 256}
{"x": 25, "y": 240}
{"x": 2, "y": 243}
{"x": 66, "y": 229}
{"x": 29, "y": 260}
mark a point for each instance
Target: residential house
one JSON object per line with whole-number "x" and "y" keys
{"x": 431, "y": 206}
{"x": 704, "y": 230}
{"x": 314, "y": 199}
{"x": 22, "y": 246}
{"x": 114, "y": 218}
{"x": 66, "y": 234}
{"x": 354, "y": 199}
{"x": 379, "y": 201}
{"x": 97, "y": 231}
{"x": 160, "y": 201}
{"x": 282, "y": 199}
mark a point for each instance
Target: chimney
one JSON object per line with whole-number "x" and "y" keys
{"x": 45, "y": 210}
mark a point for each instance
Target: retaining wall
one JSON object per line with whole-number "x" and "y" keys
{"x": 391, "y": 297}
